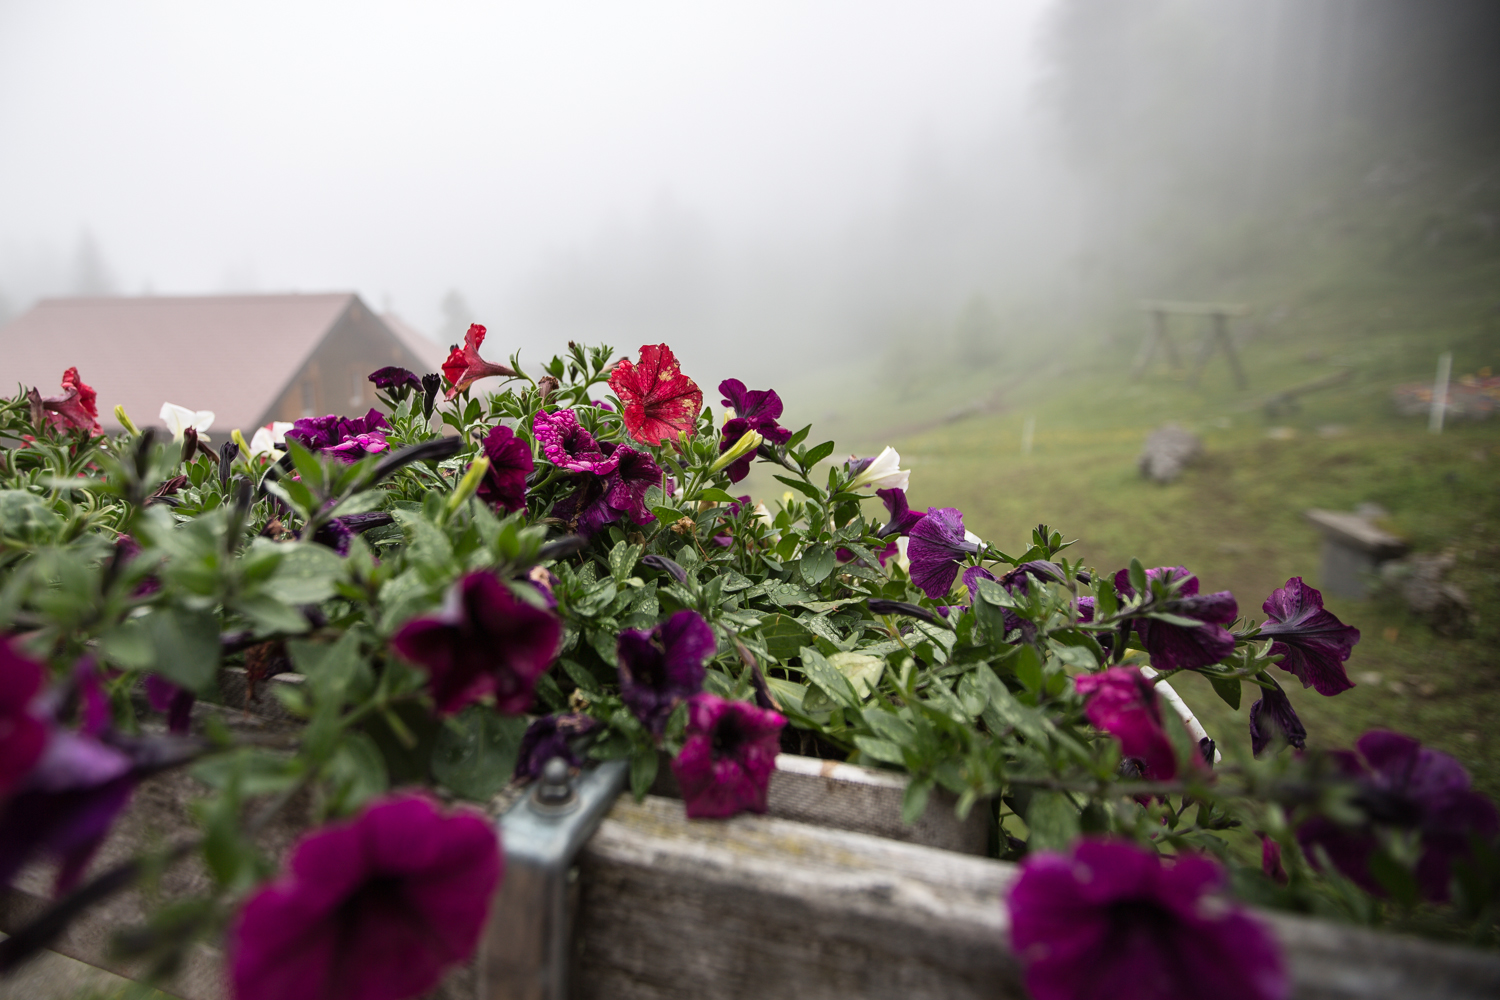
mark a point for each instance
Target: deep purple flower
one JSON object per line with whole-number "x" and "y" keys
{"x": 173, "y": 701}
{"x": 1403, "y": 786}
{"x": 396, "y": 380}
{"x": 376, "y": 908}
{"x": 1123, "y": 703}
{"x": 348, "y": 438}
{"x": 1019, "y": 579}
{"x": 340, "y": 531}
{"x": 1011, "y": 620}
{"x": 754, "y": 410}
{"x": 604, "y": 500}
{"x": 1314, "y": 643}
{"x": 23, "y": 736}
{"x": 660, "y": 667}
{"x": 504, "y": 485}
{"x": 1112, "y": 920}
{"x": 1174, "y": 647}
{"x": 726, "y": 762}
{"x": 937, "y": 545}
{"x": 901, "y": 517}
{"x": 552, "y": 736}
{"x": 1272, "y": 718}
{"x": 430, "y": 386}
{"x": 484, "y": 640}
{"x": 568, "y": 446}
{"x": 1270, "y": 859}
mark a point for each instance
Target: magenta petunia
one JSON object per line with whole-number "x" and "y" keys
{"x": 175, "y": 702}
{"x": 601, "y": 500}
{"x": 1123, "y": 703}
{"x": 754, "y": 410}
{"x": 663, "y": 666}
{"x": 938, "y": 544}
{"x": 23, "y": 736}
{"x": 1177, "y": 647}
{"x": 1112, "y": 921}
{"x": 1312, "y": 641}
{"x": 504, "y": 484}
{"x": 375, "y": 908}
{"x": 1402, "y": 788}
{"x": 1274, "y": 720}
{"x": 483, "y": 641}
{"x": 347, "y": 438}
{"x": 568, "y": 446}
{"x": 726, "y": 762}
{"x": 552, "y": 736}
{"x": 660, "y": 401}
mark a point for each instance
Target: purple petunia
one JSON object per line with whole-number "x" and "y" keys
{"x": 901, "y": 517}
{"x": 726, "y": 761}
{"x": 568, "y": 446}
{"x": 340, "y": 531}
{"x": 1110, "y": 919}
{"x": 504, "y": 484}
{"x": 937, "y": 545}
{"x": 601, "y": 500}
{"x": 665, "y": 665}
{"x": 1273, "y": 719}
{"x": 1123, "y": 703}
{"x": 1011, "y": 620}
{"x": 396, "y": 380}
{"x": 23, "y": 736}
{"x": 347, "y": 438}
{"x": 376, "y": 908}
{"x": 1312, "y": 641}
{"x": 483, "y": 641}
{"x": 552, "y": 736}
{"x": 1407, "y": 788}
{"x": 754, "y": 410}
{"x": 175, "y": 702}
{"x": 1177, "y": 647}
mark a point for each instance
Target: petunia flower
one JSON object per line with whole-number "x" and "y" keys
{"x": 568, "y": 446}
{"x": 754, "y": 410}
{"x": 1123, "y": 703}
{"x": 1272, "y": 719}
{"x": 340, "y": 531}
{"x": 374, "y": 908}
{"x": 1404, "y": 788}
{"x": 464, "y": 366}
{"x": 77, "y": 408}
{"x": 601, "y": 500}
{"x": 483, "y": 641}
{"x": 660, "y": 401}
{"x": 1312, "y": 641}
{"x": 179, "y": 418}
{"x": 504, "y": 483}
{"x": 552, "y": 736}
{"x": 23, "y": 736}
{"x": 347, "y": 438}
{"x": 662, "y": 666}
{"x": 1109, "y": 919}
{"x": 1011, "y": 620}
{"x": 1176, "y": 647}
{"x": 395, "y": 380}
{"x": 883, "y": 472}
{"x": 270, "y": 439}
{"x": 726, "y": 761}
{"x": 937, "y": 544}
{"x": 175, "y": 702}
{"x": 901, "y": 517}
{"x": 431, "y": 383}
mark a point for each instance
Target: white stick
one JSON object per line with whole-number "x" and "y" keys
{"x": 1186, "y": 714}
{"x": 1440, "y": 393}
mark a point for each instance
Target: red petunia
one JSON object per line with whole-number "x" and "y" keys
{"x": 75, "y": 409}
{"x": 659, "y": 400}
{"x": 464, "y": 366}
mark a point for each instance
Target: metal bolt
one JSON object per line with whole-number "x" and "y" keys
{"x": 554, "y": 792}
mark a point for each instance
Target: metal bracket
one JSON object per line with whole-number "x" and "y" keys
{"x": 526, "y": 950}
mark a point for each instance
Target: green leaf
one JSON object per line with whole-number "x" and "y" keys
{"x": 881, "y": 750}
{"x": 798, "y": 436}
{"x": 816, "y": 563}
{"x": 330, "y": 669}
{"x": 270, "y": 616}
{"x": 822, "y": 673}
{"x": 184, "y": 646}
{"x": 258, "y": 772}
{"x": 817, "y": 453}
{"x": 622, "y": 560}
{"x": 783, "y": 636}
{"x": 1053, "y": 820}
{"x": 715, "y": 495}
{"x": 306, "y": 574}
{"x": 1029, "y": 668}
{"x": 801, "y": 487}
{"x": 476, "y": 752}
{"x": 1227, "y": 688}
{"x": 992, "y": 593}
{"x": 25, "y": 517}
{"x": 643, "y": 765}
{"x": 862, "y": 671}
{"x": 914, "y": 799}
{"x": 128, "y": 645}
{"x": 357, "y": 773}
{"x": 1180, "y": 621}
{"x": 1137, "y": 575}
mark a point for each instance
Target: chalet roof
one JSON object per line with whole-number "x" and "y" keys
{"x": 232, "y": 354}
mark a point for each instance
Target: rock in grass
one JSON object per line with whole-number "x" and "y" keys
{"x": 1168, "y": 451}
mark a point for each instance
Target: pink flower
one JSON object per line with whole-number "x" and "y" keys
{"x": 1111, "y": 921}
{"x": 76, "y": 409}
{"x": 660, "y": 401}
{"x": 483, "y": 641}
{"x": 23, "y": 736}
{"x": 726, "y": 763}
{"x": 464, "y": 366}
{"x": 504, "y": 484}
{"x": 1123, "y": 703}
{"x": 377, "y": 908}
{"x": 568, "y": 446}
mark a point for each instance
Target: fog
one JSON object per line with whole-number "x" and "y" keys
{"x": 779, "y": 181}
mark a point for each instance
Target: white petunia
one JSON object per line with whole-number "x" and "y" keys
{"x": 883, "y": 473}
{"x": 179, "y": 418}
{"x": 270, "y": 439}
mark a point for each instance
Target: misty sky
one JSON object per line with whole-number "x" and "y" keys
{"x": 551, "y": 161}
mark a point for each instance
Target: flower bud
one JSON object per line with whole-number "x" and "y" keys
{"x": 125, "y": 421}
{"x": 469, "y": 483}
{"x": 748, "y": 442}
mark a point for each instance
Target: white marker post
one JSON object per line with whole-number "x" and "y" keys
{"x": 1440, "y": 393}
